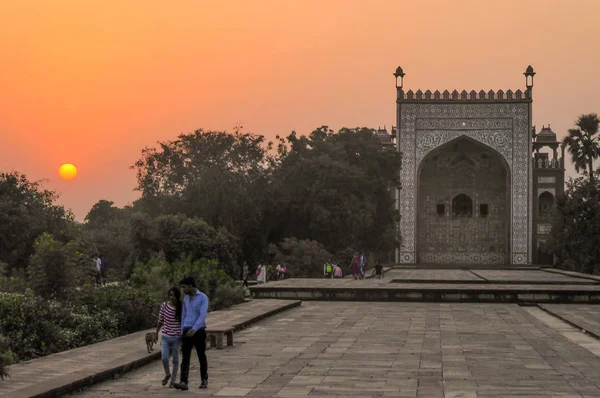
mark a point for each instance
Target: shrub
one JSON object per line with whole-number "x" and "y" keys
{"x": 304, "y": 258}
{"x": 6, "y": 357}
{"x": 158, "y": 275}
{"x": 36, "y": 327}
{"x": 575, "y": 239}
{"x": 133, "y": 309}
{"x": 55, "y": 267}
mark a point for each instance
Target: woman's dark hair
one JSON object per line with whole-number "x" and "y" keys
{"x": 178, "y": 305}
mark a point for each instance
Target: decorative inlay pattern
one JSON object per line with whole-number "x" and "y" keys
{"x": 464, "y": 124}
{"x": 426, "y": 126}
{"x": 500, "y": 140}
{"x": 462, "y": 258}
{"x": 407, "y": 258}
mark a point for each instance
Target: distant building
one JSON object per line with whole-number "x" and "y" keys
{"x": 471, "y": 190}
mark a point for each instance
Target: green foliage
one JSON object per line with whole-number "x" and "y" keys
{"x": 302, "y": 258}
{"x": 212, "y": 175}
{"x": 174, "y": 235}
{"x": 103, "y": 213}
{"x": 6, "y": 357}
{"x": 56, "y": 268}
{"x": 583, "y": 143}
{"x": 576, "y": 237}
{"x": 35, "y": 327}
{"x": 133, "y": 308}
{"x": 107, "y": 233}
{"x": 159, "y": 275}
{"x": 153, "y": 276}
{"x": 26, "y": 211}
{"x": 337, "y": 189}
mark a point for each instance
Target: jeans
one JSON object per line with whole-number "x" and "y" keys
{"x": 198, "y": 340}
{"x": 170, "y": 345}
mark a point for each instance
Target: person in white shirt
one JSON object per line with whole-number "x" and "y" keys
{"x": 262, "y": 274}
{"x": 98, "y": 263}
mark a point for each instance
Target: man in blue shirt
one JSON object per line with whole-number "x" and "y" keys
{"x": 193, "y": 331}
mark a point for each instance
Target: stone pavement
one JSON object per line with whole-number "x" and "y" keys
{"x": 69, "y": 370}
{"x": 537, "y": 276}
{"x": 586, "y": 317}
{"x": 392, "y": 350}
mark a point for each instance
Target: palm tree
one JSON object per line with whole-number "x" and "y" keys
{"x": 583, "y": 143}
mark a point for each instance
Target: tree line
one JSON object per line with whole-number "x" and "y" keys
{"x": 233, "y": 197}
{"x": 575, "y": 237}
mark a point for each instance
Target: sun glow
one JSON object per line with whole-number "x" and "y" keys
{"x": 67, "y": 172}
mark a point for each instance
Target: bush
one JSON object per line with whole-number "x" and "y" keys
{"x": 55, "y": 267}
{"x": 133, "y": 309}
{"x": 6, "y": 357}
{"x": 303, "y": 258}
{"x": 158, "y": 275}
{"x": 35, "y": 327}
{"x": 575, "y": 237}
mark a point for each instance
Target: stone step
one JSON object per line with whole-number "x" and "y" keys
{"x": 432, "y": 292}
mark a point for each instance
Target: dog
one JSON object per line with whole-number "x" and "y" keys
{"x": 151, "y": 338}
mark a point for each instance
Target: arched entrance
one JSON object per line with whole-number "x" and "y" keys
{"x": 463, "y": 205}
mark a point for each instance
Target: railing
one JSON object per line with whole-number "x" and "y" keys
{"x": 548, "y": 163}
{"x": 473, "y": 95}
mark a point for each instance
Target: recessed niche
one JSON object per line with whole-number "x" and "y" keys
{"x": 441, "y": 210}
{"x": 483, "y": 209}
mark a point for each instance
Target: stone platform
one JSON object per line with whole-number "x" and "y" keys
{"x": 411, "y": 350}
{"x": 64, "y": 372}
{"x": 531, "y": 285}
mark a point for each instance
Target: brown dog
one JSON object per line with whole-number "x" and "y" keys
{"x": 151, "y": 338}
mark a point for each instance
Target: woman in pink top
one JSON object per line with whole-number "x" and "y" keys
{"x": 169, "y": 319}
{"x": 337, "y": 272}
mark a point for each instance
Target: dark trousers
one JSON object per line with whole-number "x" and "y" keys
{"x": 198, "y": 340}
{"x": 246, "y": 281}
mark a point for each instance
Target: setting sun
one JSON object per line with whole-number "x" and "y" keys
{"x": 67, "y": 172}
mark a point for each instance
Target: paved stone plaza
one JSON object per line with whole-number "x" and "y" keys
{"x": 396, "y": 350}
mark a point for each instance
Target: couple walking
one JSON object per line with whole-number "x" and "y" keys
{"x": 183, "y": 323}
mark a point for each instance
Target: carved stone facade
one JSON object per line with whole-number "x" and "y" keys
{"x": 502, "y": 129}
{"x": 464, "y": 203}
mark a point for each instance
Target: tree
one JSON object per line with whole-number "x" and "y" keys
{"x": 576, "y": 236}
{"x": 302, "y": 258}
{"x": 56, "y": 267}
{"x": 26, "y": 211}
{"x": 177, "y": 235}
{"x": 108, "y": 234}
{"x": 336, "y": 189}
{"x": 103, "y": 213}
{"x": 213, "y": 175}
{"x": 583, "y": 143}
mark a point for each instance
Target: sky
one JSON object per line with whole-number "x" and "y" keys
{"x": 93, "y": 82}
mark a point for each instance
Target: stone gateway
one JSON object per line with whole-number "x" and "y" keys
{"x": 467, "y": 177}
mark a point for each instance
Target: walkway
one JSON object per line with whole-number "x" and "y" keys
{"x": 443, "y": 285}
{"x": 358, "y": 349}
{"x": 70, "y": 370}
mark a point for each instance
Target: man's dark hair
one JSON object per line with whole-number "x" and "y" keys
{"x": 188, "y": 280}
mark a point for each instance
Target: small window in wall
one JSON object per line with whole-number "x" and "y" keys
{"x": 441, "y": 210}
{"x": 546, "y": 204}
{"x": 462, "y": 206}
{"x": 483, "y": 209}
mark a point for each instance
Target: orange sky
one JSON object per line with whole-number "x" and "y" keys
{"x": 92, "y": 82}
